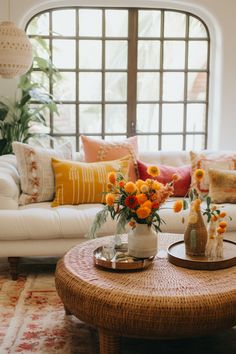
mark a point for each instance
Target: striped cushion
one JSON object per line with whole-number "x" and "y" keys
{"x": 81, "y": 182}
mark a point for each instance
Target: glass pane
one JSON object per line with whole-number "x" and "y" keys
{"x": 147, "y": 118}
{"x": 197, "y": 86}
{"x": 90, "y": 54}
{"x": 173, "y": 86}
{"x": 196, "y": 116}
{"x": 59, "y": 140}
{"x": 115, "y": 118}
{"x": 116, "y": 54}
{"x": 174, "y": 24}
{"x": 195, "y": 142}
{"x": 174, "y": 54}
{"x": 90, "y": 118}
{"x": 115, "y": 137}
{"x": 46, "y": 114}
{"x": 172, "y": 142}
{"x": 197, "y": 55}
{"x": 148, "y": 86}
{"x": 63, "y": 22}
{"x": 116, "y": 23}
{"x": 90, "y": 23}
{"x": 65, "y": 121}
{"x": 148, "y": 54}
{"x": 196, "y": 28}
{"x": 64, "y": 88}
{"x": 64, "y": 53}
{"x": 149, "y": 23}
{"x": 42, "y": 141}
{"x": 39, "y": 25}
{"x": 116, "y": 86}
{"x": 172, "y": 118}
{"x": 40, "y": 78}
{"x": 40, "y": 49}
{"x": 90, "y": 85}
{"x": 148, "y": 142}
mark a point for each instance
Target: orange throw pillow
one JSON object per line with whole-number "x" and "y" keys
{"x": 102, "y": 150}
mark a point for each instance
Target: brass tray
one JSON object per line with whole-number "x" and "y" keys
{"x": 119, "y": 259}
{"x": 177, "y": 256}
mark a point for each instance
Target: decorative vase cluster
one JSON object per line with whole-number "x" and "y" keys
{"x": 138, "y": 205}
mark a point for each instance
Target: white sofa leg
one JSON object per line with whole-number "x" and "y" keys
{"x": 13, "y": 263}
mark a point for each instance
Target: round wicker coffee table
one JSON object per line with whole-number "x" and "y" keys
{"x": 163, "y": 301}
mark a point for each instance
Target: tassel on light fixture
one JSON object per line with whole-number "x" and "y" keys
{"x": 15, "y": 50}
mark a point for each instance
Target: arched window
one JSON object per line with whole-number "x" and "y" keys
{"x": 128, "y": 72}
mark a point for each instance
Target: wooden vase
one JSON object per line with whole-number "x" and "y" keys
{"x": 195, "y": 235}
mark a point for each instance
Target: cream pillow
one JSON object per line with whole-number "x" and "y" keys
{"x": 35, "y": 169}
{"x": 82, "y": 183}
{"x": 222, "y": 188}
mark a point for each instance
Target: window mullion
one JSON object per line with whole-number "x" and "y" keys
{"x": 132, "y": 72}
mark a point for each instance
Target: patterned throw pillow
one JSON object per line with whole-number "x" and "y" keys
{"x": 211, "y": 159}
{"x": 181, "y": 186}
{"x": 35, "y": 169}
{"x": 222, "y": 187}
{"x": 82, "y": 183}
{"x": 102, "y": 150}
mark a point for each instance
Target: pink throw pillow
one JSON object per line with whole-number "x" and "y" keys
{"x": 181, "y": 186}
{"x": 102, "y": 150}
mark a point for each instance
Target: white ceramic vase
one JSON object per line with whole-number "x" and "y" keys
{"x": 142, "y": 241}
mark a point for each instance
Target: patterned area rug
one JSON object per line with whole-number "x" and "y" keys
{"x": 33, "y": 321}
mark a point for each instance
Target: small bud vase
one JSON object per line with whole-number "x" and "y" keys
{"x": 142, "y": 241}
{"x": 195, "y": 235}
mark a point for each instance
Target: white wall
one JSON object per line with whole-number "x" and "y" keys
{"x": 219, "y": 16}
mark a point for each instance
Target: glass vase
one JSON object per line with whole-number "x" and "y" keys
{"x": 142, "y": 241}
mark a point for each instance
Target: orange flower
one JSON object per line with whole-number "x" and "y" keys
{"x": 223, "y": 224}
{"x": 130, "y": 187}
{"x": 121, "y": 184}
{"x": 110, "y": 199}
{"x": 175, "y": 177}
{"x": 131, "y": 201}
{"x": 214, "y": 217}
{"x": 153, "y": 171}
{"x": 112, "y": 177}
{"x": 156, "y": 185}
{"x": 147, "y": 204}
{"x": 139, "y": 183}
{"x": 199, "y": 174}
{"x": 143, "y": 212}
{"x": 178, "y": 206}
{"x": 141, "y": 198}
{"x": 109, "y": 186}
{"x": 222, "y": 214}
{"x": 132, "y": 223}
{"x": 155, "y": 204}
{"x": 144, "y": 188}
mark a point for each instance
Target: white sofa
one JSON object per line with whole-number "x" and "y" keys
{"x": 40, "y": 230}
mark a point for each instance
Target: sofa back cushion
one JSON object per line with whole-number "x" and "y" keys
{"x": 82, "y": 183}
{"x": 222, "y": 186}
{"x": 35, "y": 169}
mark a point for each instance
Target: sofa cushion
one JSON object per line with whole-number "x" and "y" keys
{"x": 81, "y": 182}
{"x": 36, "y": 174}
{"x": 9, "y": 182}
{"x": 211, "y": 159}
{"x": 102, "y": 150}
{"x": 222, "y": 188}
{"x": 181, "y": 186}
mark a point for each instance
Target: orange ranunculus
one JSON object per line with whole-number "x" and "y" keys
{"x": 141, "y": 198}
{"x": 155, "y": 204}
{"x": 222, "y": 214}
{"x": 214, "y": 218}
{"x": 223, "y": 224}
{"x": 109, "y": 186}
{"x": 143, "y": 212}
{"x": 199, "y": 174}
{"x": 130, "y": 187}
{"x": 178, "y": 206}
{"x": 110, "y": 199}
{"x": 147, "y": 204}
{"x": 144, "y": 188}
{"x": 131, "y": 201}
{"x": 112, "y": 177}
{"x": 121, "y": 184}
{"x": 220, "y": 230}
{"x": 153, "y": 171}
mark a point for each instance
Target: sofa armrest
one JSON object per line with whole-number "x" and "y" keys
{"x": 9, "y": 182}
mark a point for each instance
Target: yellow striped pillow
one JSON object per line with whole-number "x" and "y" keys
{"x": 81, "y": 182}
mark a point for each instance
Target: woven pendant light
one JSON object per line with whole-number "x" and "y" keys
{"x": 15, "y": 50}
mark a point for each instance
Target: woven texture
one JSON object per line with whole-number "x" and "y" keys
{"x": 162, "y": 301}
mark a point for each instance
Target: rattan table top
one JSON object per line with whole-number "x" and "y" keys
{"x": 170, "y": 301}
